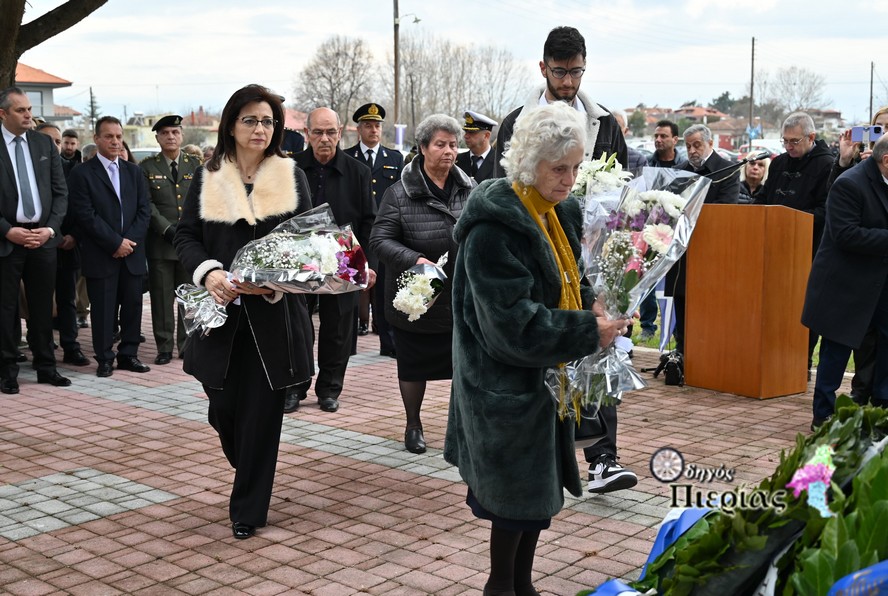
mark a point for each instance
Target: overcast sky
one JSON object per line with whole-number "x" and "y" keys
{"x": 174, "y": 55}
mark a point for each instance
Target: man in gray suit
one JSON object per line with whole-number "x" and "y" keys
{"x": 33, "y": 202}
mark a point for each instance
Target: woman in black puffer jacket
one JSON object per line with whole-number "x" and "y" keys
{"x": 414, "y": 226}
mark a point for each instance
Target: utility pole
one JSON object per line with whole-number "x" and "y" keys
{"x": 397, "y": 22}
{"x": 751, "y": 91}
{"x": 872, "y": 70}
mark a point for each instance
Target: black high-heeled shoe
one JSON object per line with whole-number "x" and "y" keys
{"x": 242, "y": 530}
{"x": 414, "y": 441}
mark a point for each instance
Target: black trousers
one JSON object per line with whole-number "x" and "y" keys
{"x": 124, "y": 290}
{"x": 248, "y": 414}
{"x": 36, "y": 267}
{"x": 335, "y": 336}
{"x": 608, "y": 445}
{"x": 66, "y": 309}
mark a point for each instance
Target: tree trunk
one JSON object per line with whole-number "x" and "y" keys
{"x": 16, "y": 39}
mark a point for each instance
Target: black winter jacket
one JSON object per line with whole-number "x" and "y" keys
{"x": 413, "y": 223}
{"x": 217, "y": 220}
{"x": 801, "y": 183}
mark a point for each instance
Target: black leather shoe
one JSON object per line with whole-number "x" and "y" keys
{"x": 131, "y": 363}
{"x": 389, "y": 353}
{"x": 75, "y": 357}
{"x": 105, "y": 369}
{"x": 81, "y": 323}
{"x": 414, "y": 441}
{"x": 53, "y": 378}
{"x": 292, "y": 398}
{"x": 20, "y": 357}
{"x": 163, "y": 358}
{"x": 362, "y": 329}
{"x": 9, "y": 386}
{"x": 328, "y": 404}
{"x": 242, "y": 531}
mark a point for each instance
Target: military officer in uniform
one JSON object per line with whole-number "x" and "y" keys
{"x": 385, "y": 166}
{"x": 169, "y": 175}
{"x": 292, "y": 142}
{"x": 477, "y": 162}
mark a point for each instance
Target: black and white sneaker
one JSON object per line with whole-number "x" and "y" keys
{"x": 606, "y": 475}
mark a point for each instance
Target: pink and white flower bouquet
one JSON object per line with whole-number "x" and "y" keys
{"x": 629, "y": 244}
{"x": 307, "y": 254}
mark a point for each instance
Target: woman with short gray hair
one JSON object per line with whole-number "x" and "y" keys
{"x": 520, "y": 307}
{"x": 414, "y": 226}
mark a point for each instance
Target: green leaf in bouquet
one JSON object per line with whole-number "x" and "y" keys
{"x": 847, "y": 559}
{"x": 816, "y": 575}
{"x": 872, "y": 536}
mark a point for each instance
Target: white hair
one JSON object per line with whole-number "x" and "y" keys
{"x": 799, "y": 119}
{"x": 546, "y": 133}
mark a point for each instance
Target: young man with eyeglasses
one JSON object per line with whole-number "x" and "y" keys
{"x": 563, "y": 66}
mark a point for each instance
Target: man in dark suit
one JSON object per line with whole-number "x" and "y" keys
{"x": 477, "y": 162}
{"x": 67, "y": 272}
{"x": 725, "y": 188}
{"x": 111, "y": 209}
{"x": 848, "y": 286}
{"x": 343, "y": 183}
{"x": 169, "y": 175}
{"x": 33, "y": 202}
{"x": 385, "y": 168}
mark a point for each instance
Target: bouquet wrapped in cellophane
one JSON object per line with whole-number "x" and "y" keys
{"x": 307, "y": 254}
{"x": 629, "y": 244}
{"x": 419, "y": 287}
{"x": 198, "y": 310}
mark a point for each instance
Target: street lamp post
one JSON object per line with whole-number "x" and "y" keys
{"x": 397, "y": 22}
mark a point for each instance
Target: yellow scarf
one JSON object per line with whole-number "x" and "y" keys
{"x": 536, "y": 205}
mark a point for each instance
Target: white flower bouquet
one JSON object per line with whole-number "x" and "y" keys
{"x": 307, "y": 254}
{"x": 600, "y": 176}
{"x": 419, "y": 287}
{"x": 628, "y": 246}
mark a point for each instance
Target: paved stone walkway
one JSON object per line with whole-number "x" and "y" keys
{"x": 119, "y": 486}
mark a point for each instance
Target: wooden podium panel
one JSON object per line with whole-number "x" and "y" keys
{"x": 747, "y": 269}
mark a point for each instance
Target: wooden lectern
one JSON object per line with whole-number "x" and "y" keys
{"x": 747, "y": 269}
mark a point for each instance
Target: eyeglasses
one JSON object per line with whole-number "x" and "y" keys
{"x": 330, "y": 132}
{"x": 251, "y": 122}
{"x": 560, "y": 73}
{"x": 792, "y": 142}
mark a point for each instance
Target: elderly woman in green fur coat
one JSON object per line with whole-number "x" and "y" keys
{"x": 519, "y": 308}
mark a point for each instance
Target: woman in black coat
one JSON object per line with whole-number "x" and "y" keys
{"x": 243, "y": 192}
{"x": 414, "y": 226}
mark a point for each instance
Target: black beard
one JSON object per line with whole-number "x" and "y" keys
{"x": 555, "y": 94}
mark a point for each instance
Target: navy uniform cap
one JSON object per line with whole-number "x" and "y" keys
{"x": 292, "y": 142}
{"x": 369, "y": 111}
{"x": 171, "y": 120}
{"x": 476, "y": 121}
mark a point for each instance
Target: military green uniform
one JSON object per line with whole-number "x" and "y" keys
{"x": 165, "y": 272}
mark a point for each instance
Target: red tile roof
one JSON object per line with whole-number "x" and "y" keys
{"x": 35, "y": 76}
{"x": 60, "y": 110}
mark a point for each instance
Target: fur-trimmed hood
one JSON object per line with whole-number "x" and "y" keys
{"x": 223, "y": 198}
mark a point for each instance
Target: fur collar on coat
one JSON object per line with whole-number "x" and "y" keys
{"x": 223, "y": 198}
{"x": 593, "y": 113}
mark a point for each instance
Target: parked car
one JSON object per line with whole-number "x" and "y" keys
{"x": 774, "y": 146}
{"x": 140, "y": 153}
{"x": 731, "y": 156}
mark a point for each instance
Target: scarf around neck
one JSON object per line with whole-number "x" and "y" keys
{"x": 537, "y": 206}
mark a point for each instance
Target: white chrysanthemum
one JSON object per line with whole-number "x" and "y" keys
{"x": 658, "y": 237}
{"x": 633, "y": 207}
{"x": 672, "y": 203}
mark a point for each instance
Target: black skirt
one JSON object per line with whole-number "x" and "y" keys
{"x": 423, "y": 356}
{"x": 513, "y": 525}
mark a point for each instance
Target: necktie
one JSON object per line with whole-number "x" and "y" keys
{"x": 476, "y": 163}
{"x": 370, "y": 157}
{"x": 114, "y": 173}
{"x": 24, "y": 183}
{"x": 174, "y": 170}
